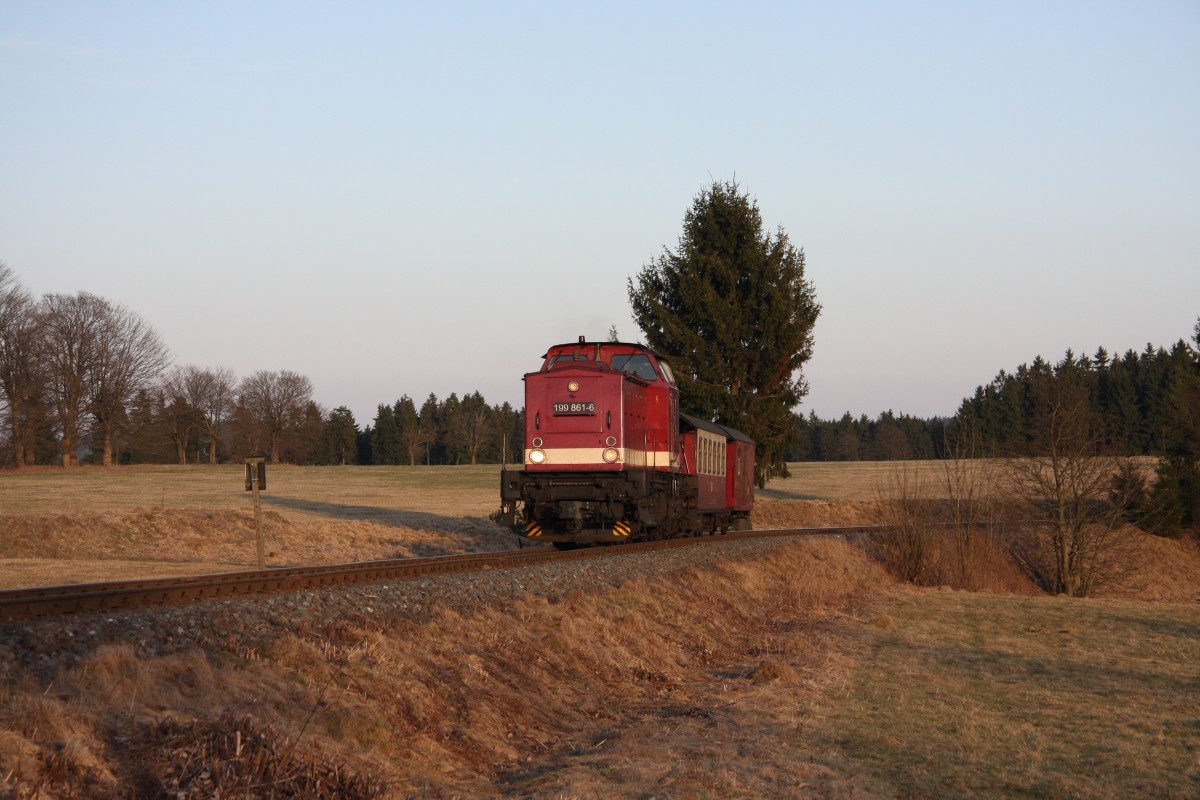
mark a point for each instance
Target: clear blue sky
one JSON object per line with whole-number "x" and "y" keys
{"x": 409, "y": 198}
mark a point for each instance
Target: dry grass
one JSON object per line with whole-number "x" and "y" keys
{"x": 673, "y": 687}
{"x": 857, "y": 480}
{"x": 388, "y": 493}
{"x": 975, "y": 695}
{"x": 806, "y": 674}
{"x": 58, "y": 548}
{"x": 59, "y": 526}
{"x": 91, "y": 524}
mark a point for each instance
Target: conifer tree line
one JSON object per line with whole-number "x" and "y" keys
{"x": 1137, "y": 402}
{"x": 449, "y": 431}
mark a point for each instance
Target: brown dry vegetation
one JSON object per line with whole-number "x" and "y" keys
{"x": 978, "y": 696}
{"x": 59, "y": 526}
{"x": 805, "y": 674}
{"x": 675, "y": 686}
{"x": 810, "y": 673}
{"x": 93, "y": 524}
{"x": 40, "y": 548}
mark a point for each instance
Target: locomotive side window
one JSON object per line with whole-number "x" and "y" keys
{"x": 636, "y": 364}
{"x": 667, "y": 373}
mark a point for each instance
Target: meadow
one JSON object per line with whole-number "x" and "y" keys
{"x": 93, "y": 524}
{"x": 811, "y": 673}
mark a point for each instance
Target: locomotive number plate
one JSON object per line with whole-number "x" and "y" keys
{"x": 574, "y": 408}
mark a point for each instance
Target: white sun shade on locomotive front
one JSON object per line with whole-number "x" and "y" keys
{"x": 601, "y": 406}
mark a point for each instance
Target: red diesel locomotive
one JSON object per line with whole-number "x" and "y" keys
{"x": 610, "y": 458}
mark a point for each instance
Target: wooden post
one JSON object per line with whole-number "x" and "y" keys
{"x": 256, "y": 474}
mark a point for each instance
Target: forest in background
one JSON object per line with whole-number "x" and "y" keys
{"x": 87, "y": 380}
{"x": 1136, "y": 399}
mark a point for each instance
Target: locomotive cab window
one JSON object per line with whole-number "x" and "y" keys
{"x": 635, "y": 364}
{"x": 667, "y": 373}
{"x": 564, "y": 361}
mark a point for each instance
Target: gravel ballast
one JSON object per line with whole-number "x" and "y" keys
{"x": 246, "y": 624}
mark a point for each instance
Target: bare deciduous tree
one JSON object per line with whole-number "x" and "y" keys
{"x": 70, "y": 327}
{"x": 209, "y": 393}
{"x": 276, "y": 401}
{"x": 1080, "y": 546}
{"x": 909, "y": 550}
{"x": 129, "y": 355}
{"x": 21, "y": 381}
{"x": 181, "y": 422}
{"x": 971, "y": 503}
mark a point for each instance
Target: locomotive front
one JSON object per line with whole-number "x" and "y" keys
{"x": 601, "y": 447}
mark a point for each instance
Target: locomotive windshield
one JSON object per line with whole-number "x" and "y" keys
{"x": 635, "y": 364}
{"x": 563, "y": 360}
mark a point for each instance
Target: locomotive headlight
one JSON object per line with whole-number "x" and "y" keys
{"x": 611, "y": 455}
{"x": 537, "y": 456}
{"x": 573, "y": 386}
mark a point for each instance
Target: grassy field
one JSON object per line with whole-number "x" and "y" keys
{"x": 351, "y": 492}
{"x": 977, "y": 695}
{"x": 806, "y": 674}
{"x": 93, "y": 524}
{"x": 452, "y": 490}
{"x": 810, "y": 674}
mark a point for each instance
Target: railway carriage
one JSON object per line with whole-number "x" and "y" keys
{"x": 609, "y": 457}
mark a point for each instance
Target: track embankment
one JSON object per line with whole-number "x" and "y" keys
{"x": 51, "y": 601}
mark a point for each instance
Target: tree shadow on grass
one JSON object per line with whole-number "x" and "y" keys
{"x": 418, "y": 520}
{"x": 783, "y": 494}
{"x": 472, "y": 534}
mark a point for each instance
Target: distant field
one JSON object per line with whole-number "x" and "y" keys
{"x": 855, "y": 480}
{"x": 94, "y": 524}
{"x": 346, "y": 491}
{"x": 361, "y": 492}
{"x": 91, "y": 524}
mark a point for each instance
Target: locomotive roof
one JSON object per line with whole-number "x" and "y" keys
{"x": 712, "y": 427}
{"x": 637, "y": 345}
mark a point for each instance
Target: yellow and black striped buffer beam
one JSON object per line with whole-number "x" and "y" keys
{"x": 622, "y": 528}
{"x": 533, "y": 529}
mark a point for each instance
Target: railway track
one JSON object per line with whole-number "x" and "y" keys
{"x": 50, "y": 601}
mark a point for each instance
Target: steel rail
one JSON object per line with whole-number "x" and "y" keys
{"x": 46, "y": 601}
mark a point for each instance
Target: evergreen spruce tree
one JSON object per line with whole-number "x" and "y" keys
{"x": 1176, "y": 495}
{"x": 731, "y": 311}
{"x": 412, "y": 434}
{"x": 448, "y": 437}
{"x": 385, "y": 437}
{"x": 430, "y": 420}
{"x": 339, "y": 439}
